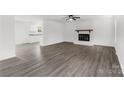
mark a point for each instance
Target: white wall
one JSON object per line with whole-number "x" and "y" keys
{"x": 120, "y": 39}
{"x": 7, "y": 43}
{"x": 22, "y": 32}
{"x": 103, "y": 27}
{"x": 69, "y": 33}
{"x": 53, "y": 32}
{"x": 104, "y": 30}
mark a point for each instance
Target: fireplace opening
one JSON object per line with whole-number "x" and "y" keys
{"x": 84, "y": 37}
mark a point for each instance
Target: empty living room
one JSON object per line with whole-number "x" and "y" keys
{"x": 61, "y": 45}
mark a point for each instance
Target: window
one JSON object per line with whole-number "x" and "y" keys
{"x": 39, "y": 29}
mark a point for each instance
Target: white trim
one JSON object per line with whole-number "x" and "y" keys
{"x": 115, "y": 24}
{"x": 7, "y": 57}
{"x": 50, "y": 44}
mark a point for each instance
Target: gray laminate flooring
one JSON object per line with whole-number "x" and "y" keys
{"x": 62, "y": 60}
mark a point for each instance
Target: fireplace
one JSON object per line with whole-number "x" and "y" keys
{"x": 84, "y": 37}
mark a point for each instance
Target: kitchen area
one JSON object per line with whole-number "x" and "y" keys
{"x": 28, "y": 29}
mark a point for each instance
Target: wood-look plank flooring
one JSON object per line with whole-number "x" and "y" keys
{"x": 62, "y": 60}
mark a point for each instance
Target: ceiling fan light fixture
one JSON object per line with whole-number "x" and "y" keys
{"x": 70, "y": 19}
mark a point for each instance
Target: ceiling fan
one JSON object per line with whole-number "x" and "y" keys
{"x": 72, "y": 17}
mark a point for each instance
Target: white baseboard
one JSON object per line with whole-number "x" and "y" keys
{"x": 7, "y": 57}
{"x": 50, "y": 44}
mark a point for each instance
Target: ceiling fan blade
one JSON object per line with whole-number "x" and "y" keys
{"x": 76, "y": 17}
{"x": 72, "y": 17}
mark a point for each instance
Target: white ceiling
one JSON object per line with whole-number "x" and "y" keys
{"x": 58, "y": 17}
{"x": 28, "y": 18}
{"x": 63, "y": 17}
{"x": 54, "y": 17}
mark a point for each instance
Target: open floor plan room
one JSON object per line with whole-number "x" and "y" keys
{"x": 61, "y": 46}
